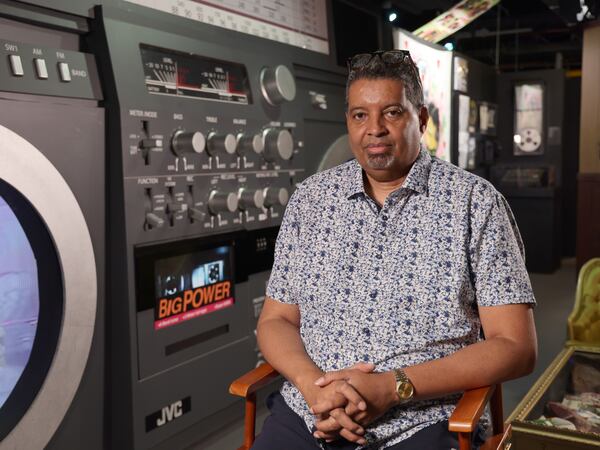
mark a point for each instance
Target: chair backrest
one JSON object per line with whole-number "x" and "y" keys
{"x": 584, "y": 320}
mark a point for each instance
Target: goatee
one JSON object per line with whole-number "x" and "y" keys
{"x": 379, "y": 162}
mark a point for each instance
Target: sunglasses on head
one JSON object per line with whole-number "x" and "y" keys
{"x": 391, "y": 58}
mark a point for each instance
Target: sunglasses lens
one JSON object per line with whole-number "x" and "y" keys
{"x": 360, "y": 60}
{"x": 392, "y": 57}
{"x": 389, "y": 58}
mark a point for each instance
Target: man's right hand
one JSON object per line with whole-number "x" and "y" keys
{"x": 345, "y": 406}
{"x": 278, "y": 334}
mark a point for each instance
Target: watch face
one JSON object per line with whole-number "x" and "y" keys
{"x": 405, "y": 390}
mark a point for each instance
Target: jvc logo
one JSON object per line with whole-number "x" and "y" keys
{"x": 168, "y": 413}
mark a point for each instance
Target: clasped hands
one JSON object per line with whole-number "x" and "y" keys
{"x": 344, "y": 402}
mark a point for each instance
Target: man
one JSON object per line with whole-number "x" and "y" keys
{"x": 389, "y": 269}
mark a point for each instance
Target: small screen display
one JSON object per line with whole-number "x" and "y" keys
{"x": 19, "y": 300}
{"x": 169, "y": 72}
{"x": 192, "y": 285}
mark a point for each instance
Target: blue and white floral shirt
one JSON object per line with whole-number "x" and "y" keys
{"x": 397, "y": 285}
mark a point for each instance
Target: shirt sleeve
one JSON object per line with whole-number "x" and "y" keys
{"x": 497, "y": 254}
{"x": 282, "y": 282}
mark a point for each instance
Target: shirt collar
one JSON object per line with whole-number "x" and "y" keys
{"x": 416, "y": 180}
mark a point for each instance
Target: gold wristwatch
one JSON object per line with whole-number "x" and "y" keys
{"x": 404, "y": 388}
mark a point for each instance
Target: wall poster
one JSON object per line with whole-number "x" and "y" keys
{"x": 454, "y": 19}
{"x": 435, "y": 68}
{"x": 463, "y": 130}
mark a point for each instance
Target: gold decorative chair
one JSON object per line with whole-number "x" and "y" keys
{"x": 463, "y": 421}
{"x": 584, "y": 320}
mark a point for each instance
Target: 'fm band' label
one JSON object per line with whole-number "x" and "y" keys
{"x": 193, "y": 303}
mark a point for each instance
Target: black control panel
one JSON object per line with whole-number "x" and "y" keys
{"x": 208, "y": 132}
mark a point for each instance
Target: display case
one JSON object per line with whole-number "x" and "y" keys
{"x": 562, "y": 409}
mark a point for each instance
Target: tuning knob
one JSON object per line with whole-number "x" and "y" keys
{"x": 275, "y": 196}
{"x": 279, "y": 144}
{"x": 250, "y": 198}
{"x": 250, "y": 143}
{"x": 187, "y": 142}
{"x": 219, "y": 202}
{"x": 277, "y": 85}
{"x": 221, "y": 144}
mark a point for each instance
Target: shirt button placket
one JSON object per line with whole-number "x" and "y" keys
{"x": 384, "y": 217}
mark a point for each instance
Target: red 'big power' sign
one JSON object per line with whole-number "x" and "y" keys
{"x": 192, "y": 303}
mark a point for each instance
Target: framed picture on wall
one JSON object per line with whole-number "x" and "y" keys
{"x": 461, "y": 74}
{"x": 528, "y": 135}
{"x": 487, "y": 118}
{"x": 473, "y": 116}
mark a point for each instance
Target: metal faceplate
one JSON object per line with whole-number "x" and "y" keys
{"x": 181, "y": 91}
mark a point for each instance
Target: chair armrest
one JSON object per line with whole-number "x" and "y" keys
{"x": 469, "y": 409}
{"x": 252, "y": 381}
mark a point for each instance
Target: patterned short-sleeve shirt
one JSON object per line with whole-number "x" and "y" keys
{"x": 397, "y": 285}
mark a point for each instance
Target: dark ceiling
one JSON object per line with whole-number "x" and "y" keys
{"x": 516, "y": 35}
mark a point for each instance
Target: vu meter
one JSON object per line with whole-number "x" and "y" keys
{"x": 168, "y": 72}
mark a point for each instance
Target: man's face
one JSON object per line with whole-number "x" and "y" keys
{"x": 384, "y": 127}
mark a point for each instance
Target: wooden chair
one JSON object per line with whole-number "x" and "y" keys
{"x": 463, "y": 421}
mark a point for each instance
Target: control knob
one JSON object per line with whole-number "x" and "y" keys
{"x": 250, "y": 143}
{"x": 250, "y": 198}
{"x": 188, "y": 142}
{"x": 279, "y": 144}
{"x": 277, "y": 85}
{"x": 275, "y": 196}
{"x": 154, "y": 221}
{"x": 194, "y": 213}
{"x": 219, "y": 202}
{"x": 175, "y": 207}
{"x": 221, "y": 144}
{"x": 149, "y": 144}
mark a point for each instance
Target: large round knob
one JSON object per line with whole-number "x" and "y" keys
{"x": 219, "y": 202}
{"x": 221, "y": 144}
{"x": 187, "y": 142}
{"x": 250, "y": 143}
{"x": 279, "y": 144}
{"x": 277, "y": 85}
{"x": 275, "y": 196}
{"x": 250, "y": 198}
